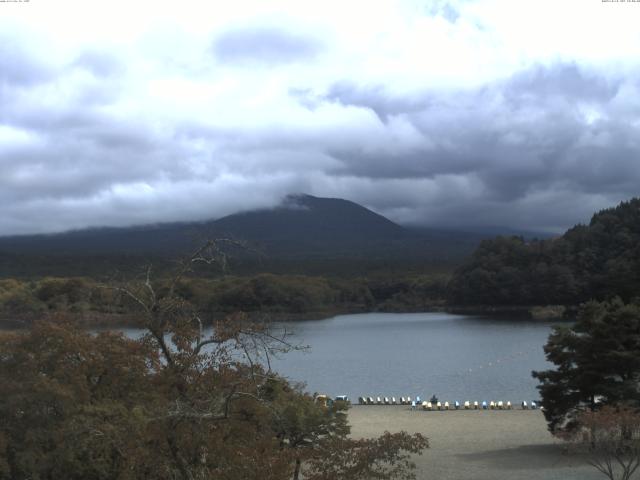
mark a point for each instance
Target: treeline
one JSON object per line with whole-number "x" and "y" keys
{"x": 596, "y": 261}
{"x": 295, "y": 296}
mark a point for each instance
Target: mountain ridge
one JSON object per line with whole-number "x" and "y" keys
{"x": 302, "y": 228}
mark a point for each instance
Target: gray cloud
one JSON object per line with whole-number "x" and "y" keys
{"x": 540, "y": 150}
{"x": 99, "y": 63}
{"x": 547, "y": 133}
{"x": 564, "y": 80}
{"x": 18, "y": 67}
{"x": 444, "y": 9}
{"x": 264, "y": 45}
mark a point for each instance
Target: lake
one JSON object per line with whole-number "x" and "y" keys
{"x": 456, "y": 357}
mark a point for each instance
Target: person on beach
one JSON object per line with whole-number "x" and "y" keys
{"x": 413, "y": 404}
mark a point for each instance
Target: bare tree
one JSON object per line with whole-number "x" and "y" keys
{"x": 237, "y": 350}
{"x": 610, "y": 437}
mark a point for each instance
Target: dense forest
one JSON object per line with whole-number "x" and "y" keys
{"x": 267, "y": 295}
{"x": 596, "y": 261}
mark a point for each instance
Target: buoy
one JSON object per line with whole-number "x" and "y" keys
{"x": 467, "y": 405}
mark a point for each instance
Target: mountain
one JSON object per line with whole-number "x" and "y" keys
{"x": 305, "y": 225}
{"x": 302, "y": 227}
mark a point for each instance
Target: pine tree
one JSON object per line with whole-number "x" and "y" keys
{"x": 597, "y": 363}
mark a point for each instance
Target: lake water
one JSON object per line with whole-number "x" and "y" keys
{"x": 455, "y": 357}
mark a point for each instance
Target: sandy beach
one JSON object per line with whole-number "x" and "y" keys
{"x": 477, "y": 444}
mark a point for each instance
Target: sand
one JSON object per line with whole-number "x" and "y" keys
{"x": 477, "y": 444}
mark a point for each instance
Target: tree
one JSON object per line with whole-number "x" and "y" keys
{"x": 597, "y": 363}
{"x": 181, "y": 403}
{"x": 611, "y": 439}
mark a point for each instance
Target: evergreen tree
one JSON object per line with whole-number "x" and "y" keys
{"x": 597, "y": 363}
{"x": 600, "y": 260}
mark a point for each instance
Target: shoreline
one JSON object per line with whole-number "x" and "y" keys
{"x": 123, "y": 320}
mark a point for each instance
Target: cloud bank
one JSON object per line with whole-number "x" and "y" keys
{"x": 452, "y": 114}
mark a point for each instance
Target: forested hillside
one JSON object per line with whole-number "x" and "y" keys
{"x": 305, "y": 234}
{"x": 594, "y": 261}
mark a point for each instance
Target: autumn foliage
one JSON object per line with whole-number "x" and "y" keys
{"x": 185, "y": 401}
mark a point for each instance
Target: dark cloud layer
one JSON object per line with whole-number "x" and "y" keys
{"x": 540, "y": 150}
{"x": 548, "y": 132}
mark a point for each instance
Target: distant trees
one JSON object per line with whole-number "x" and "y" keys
{"x": 267, "y": 294}
{"x": 599, "y": 261}
{"x": 597, "y": 364}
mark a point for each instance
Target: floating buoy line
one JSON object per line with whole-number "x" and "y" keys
{"x": 431, "y": 405}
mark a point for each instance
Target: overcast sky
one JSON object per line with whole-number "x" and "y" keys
{"x": 517, "y": 113}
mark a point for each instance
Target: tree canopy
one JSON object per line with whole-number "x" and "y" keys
{"x": 600, "y": 260}
{"x": 181, "y": 402}
{"x": 597, "y": 363}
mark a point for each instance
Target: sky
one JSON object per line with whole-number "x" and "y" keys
{"x": 458, "y": 114}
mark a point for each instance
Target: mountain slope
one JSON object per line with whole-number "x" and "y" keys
{"x": 302, "y": 224}
{"x": 302, "y": 229}
{"x": 598, "y": 261}
{"x": 307, "y": 225}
